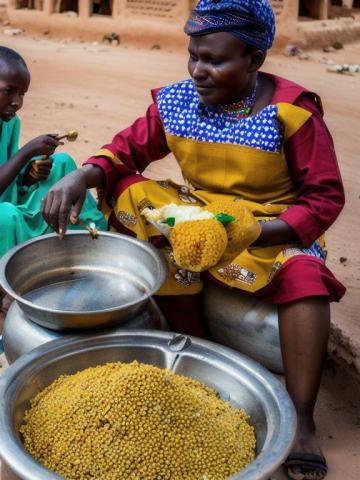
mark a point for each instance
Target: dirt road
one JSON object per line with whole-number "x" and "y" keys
{"x": 98, "y": 90}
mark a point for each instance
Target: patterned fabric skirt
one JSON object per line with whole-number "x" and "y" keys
{"x": 277, "y": 274}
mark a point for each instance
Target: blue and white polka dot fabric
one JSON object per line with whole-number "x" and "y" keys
{"x": 185, "y": 116}
{"x": 314, "y": 251}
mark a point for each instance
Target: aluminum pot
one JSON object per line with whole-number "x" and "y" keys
{"x": 244, "y": 323}
{"x": 238, "y": 379}
{"x": 81, "y": 283}
{"x": 21, "y": 335}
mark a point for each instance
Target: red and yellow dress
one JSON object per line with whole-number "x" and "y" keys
{"x": 280, "y": 162}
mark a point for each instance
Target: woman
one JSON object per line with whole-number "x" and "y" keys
{"x": 249, "y": 137}
{"x": 23, "y": 179}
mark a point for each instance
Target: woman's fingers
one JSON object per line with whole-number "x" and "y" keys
{"x": 46, "y": 204}
{"x": 54, "y": 211}
{"x": 76, "y": 209}
{"x": 64, "y": 197}
{"x": 63, "y": 216}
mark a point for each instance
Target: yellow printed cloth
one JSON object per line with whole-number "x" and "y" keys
{"x": 223, "y": 158}
{"x": 252, "y": 270}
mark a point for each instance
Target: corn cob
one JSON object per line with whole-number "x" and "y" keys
{"x": 199, "y": 239}
{"x": 199, "y": 244}
{"x": 241, "y": 233}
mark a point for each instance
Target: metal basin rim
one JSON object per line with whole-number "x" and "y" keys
{"x": 22, "y": 301}
{"x": 30, "y": 469}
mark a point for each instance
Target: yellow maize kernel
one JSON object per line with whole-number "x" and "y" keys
{"x": 90, "y": 426}
{"x": 198, "y": 244}
{"x": 240, "y": 233}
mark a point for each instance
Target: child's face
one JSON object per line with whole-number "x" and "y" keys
{"x": 14, "y": 83}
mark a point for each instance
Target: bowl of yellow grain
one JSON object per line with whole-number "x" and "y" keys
{"x": 142, "y": 405}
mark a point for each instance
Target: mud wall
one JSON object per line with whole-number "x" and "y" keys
{"x": 152, "y": 22}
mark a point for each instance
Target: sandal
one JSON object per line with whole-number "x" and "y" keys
{"x": 306, "y": 466}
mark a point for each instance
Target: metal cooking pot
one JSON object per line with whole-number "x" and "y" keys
{"x": 243, "y": 323}
{"x": 238, "y": 379}
{"x": 21, "y": 335}
{"x": 81, "y": 283}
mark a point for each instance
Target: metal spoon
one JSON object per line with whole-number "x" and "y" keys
{"x": 70, "y": 136}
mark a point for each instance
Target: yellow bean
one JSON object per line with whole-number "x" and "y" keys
{"x": 136, "y": 421}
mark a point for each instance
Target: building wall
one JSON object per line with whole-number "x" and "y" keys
{"x": 143, "y": 22}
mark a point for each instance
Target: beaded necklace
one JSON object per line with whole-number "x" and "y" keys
{"x": 243, "y": 108}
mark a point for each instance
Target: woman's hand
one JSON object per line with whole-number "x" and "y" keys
{"x": 43, "y": 145}
{"x": 64, "y": 201}
{"x": 275, "y": 232}
{"x": 38, "y": 171}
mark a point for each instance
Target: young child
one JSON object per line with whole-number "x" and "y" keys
{"x": 23, "y": 180}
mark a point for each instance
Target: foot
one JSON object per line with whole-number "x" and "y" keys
{"x": 306, "y": 461}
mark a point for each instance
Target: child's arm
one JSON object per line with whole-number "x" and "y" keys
{"x": 43, "y": 145}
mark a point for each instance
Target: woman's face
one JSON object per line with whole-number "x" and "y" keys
{"x": 222, "y": 67}
{"x": 14, "y": 83}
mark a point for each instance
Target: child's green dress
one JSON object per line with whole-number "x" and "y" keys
{"x": 20, "y": 215}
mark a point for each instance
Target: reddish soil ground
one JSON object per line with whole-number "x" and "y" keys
{"x": 100, "y": 89}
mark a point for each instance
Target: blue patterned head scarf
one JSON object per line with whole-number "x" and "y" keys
{"x": 252, "y": 21}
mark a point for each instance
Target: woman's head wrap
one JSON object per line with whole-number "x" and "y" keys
{"x": 252, "y": 21}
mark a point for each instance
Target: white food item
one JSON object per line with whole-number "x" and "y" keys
{"x": 180, "y": 213}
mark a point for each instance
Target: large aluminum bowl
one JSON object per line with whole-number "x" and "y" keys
{"x": 238, "y": 379}
{"x": 81, "y": 283}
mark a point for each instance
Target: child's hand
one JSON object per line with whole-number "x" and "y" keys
{"x": 43, "y": 145}
{"x": 38, "y": 171}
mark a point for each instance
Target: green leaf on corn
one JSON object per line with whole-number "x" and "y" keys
{"x": 224, "y": 218}
{"x": 170, "y": 221}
